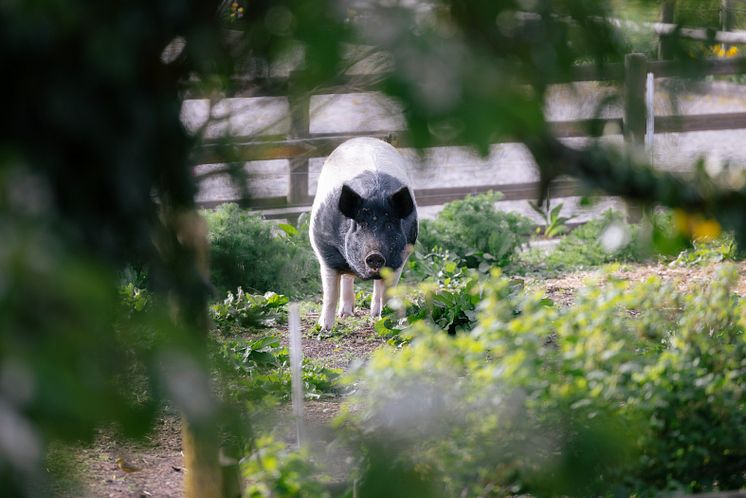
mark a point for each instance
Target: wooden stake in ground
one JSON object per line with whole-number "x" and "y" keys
{"x": 186, "y": 246}
{"x": 203, "y": 476}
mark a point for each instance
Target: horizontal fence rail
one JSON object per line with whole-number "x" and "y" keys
{"x": 323, "y": 145}
{"x": 300, "y": 145}
{"x": 279, "y": 86}
{"x": 278, "y": 207}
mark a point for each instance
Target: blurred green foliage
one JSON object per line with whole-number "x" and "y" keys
{"x": 95, "y": 175}
{"x": 633, "y": 390}
{"x": 248, "y": 252}
{"x": 273, "y": 469}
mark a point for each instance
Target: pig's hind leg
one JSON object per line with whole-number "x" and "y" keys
{"x": 330, "y": 284}
{"x": 347, "y": 306}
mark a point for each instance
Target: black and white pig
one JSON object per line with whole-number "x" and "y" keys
{"x": 364, "y": 218}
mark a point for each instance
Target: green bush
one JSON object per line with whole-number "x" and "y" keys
{"x": 584, "y": 246}
{"x": 476, "y": 232}
{"x": 248, "y": 252}
{"x": 637, "y": 389}
{"x": 240, "y": 311}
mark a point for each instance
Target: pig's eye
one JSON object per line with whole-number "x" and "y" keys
{"x": 389, "y": 226}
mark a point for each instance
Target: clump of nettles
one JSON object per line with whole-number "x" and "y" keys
{"x": 476, "y": 232}
{"x": 636, "y": 389}
{"x": 248, "y": 252}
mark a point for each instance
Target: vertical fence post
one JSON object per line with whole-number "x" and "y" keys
{"x": 635, "y": 111}
{"x": 668, "y": 8}
{"x": 726, "y": 20}
{"x": 299, "y": 128}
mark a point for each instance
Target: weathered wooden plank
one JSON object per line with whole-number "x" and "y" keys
{"x": 425, "y": 197}
{"x": 719, "y": 494}
{"x": 320, "y": 145}
{"x": 700, "y": 122}
{"x": 715, "y": 67}
{"x": 613, "y": 71}
{"x": 279, "y": 86}
{"x": 280, "y": 202}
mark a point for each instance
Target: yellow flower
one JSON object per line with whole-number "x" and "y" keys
{"x": 696, "y": 226}
{"x": 721, "y": 51}
{"x": 704, "y": 230}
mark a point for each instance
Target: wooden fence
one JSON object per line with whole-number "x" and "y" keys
{"x": 300, "y": 144}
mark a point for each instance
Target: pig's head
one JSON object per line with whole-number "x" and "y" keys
{"x": 376, "y": 237}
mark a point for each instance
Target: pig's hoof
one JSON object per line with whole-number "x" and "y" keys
{"x": 345, "y": 312}
{"x": 326, "y": 324}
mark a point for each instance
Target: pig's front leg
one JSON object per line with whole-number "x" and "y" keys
{"x": 330, "y": 284}
{"x": 376, "y": 302}
{"x": 379, "y": 293}
{"x": 347, "y": 306}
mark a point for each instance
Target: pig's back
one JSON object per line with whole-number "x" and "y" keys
{"x": 358, "y": 156}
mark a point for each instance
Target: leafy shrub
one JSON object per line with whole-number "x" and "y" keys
{"x": 476, "y": 232}
{"x": 722, "y": 249}
{"x": 248, "y": 252}
{"x": 260, "y": 370}
{"x": 448, "y": 297}
{"x": 637, "y": 389}
{"x": 241, "y": 311}
{"x": 587, "y": 246}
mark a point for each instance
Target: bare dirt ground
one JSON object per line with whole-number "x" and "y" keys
{"x": 159, "y": 461}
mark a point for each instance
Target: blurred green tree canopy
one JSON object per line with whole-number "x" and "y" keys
{"x": 95, "y": 171}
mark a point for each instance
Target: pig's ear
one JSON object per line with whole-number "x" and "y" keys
{"x": 402, "y": 202}
{"x": 349, "y": 202}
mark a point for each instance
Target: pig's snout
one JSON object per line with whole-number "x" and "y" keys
{"x": 375, "y": 261}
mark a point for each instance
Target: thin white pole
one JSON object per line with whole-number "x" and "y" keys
{"x": 296, "y": 369}
{"x": 650, "y": 114}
